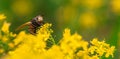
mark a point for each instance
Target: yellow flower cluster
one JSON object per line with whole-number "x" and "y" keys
{"x": 6, "y": 43}
{"x": 115, "y": 6}
{"x": 2, "y": 16}
{"x": 71, "y": 46}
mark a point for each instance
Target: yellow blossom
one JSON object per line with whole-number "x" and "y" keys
{"x": 94, "y": 57}
{"x": 71, "y": 46}
{"x": 93, "y": 4}
{"x": 20, "y": 37}
{"x": 2, "y": 16}
{"x": 83, "y": 55}
{"x": 22, "y": 7}
{"x": 115, "y": 6}
{"x": 110, "y": 51}
{"x": 53, "y": 53}
{"x": 5, "y": 27}
{"x": 44, "y": 31}
{"x": 70, "y": 42}
{"x": 4, "y": 38}
{"x": 92, "y": 49}
{"x": 11, "y": 45}
{"x": 1, "y": 50}
{"x": 101, "y": 48}
{"x": 30, "y": 46}
{"x": 12, "y": 35}
{"x": 69, "y": 13}
{"x": 95, "y": 42}
{"x": 88, "y": 20}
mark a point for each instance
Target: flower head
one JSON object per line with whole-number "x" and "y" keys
{"x": 5, "y": 27}
{"x": 71, "y": 46}
{"x": 2, "y": 16}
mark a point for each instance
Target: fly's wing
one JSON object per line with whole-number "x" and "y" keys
{"x": 23, "y": 25}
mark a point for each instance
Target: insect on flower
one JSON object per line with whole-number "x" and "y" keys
{"x": 34, "y": 24}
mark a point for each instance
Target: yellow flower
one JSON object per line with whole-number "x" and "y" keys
{"x": 95, "y": 42}
{"x": 22, "y": 7}
{"x": 2, "y": 16}
{"x": 70, "y": 42}
{"x": 1, "y": 50}
{"x": 4, "y": 38}
{"x": 71, "y": 46}
{"x": 94, "y": 57}
{"x": 83, "y": 55}
{"x": 93, "y": 4}
{"x": 110, "y": 51}
{"x": 20, "y": 37}
{"x": 11, "y": 45}
{"x": 45, "y": 31}
{"x": 53, "y": 53}
{"x": 101, "y": 48}
{"x": 88, "y": 20}
{"x": 84, "y": 45}
{"x": 5, "y": 27}
{"x": 115, "y": 6}
{"x": 30, "y": 46}
{"x": 69, "y": 13}
{"x": 12, "y": 35}
{"x": 92, "y": 49}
